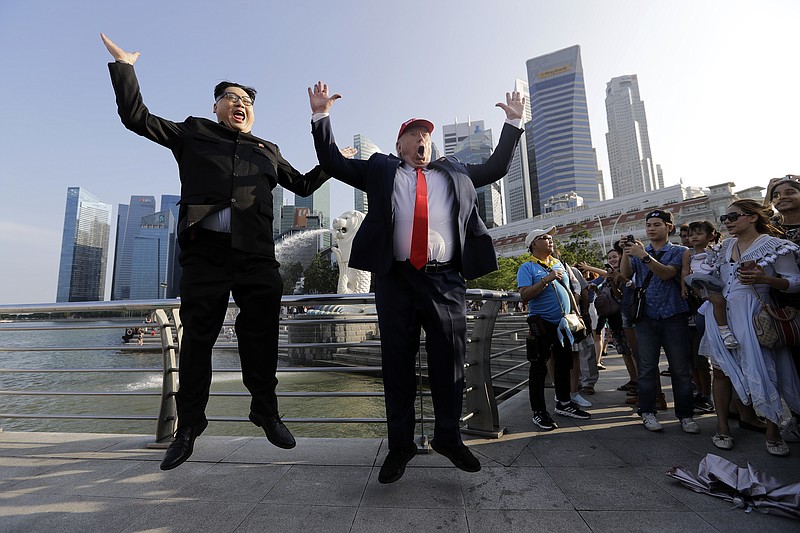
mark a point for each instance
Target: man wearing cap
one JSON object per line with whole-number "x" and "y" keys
{"x": 665, "y": 323}
{"x": 544, "y": 284}
{"x": 421, "y": 237}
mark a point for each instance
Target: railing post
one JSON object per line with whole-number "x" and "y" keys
{"x": 481, "y": 403}
{"x": 168, "y": 412}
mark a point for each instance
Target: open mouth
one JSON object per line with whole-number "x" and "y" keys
{"x": 239, "y": 116}
{"x": 421, "y": 151}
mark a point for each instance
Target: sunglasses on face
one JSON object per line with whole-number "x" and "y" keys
{"x": 733, "y": 217}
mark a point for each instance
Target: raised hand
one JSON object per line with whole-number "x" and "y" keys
{"x": 118, "y": 53}
{"x": 319, "y": 99}
{"x": 349, "y": 152}
{"x": 514, "y": 106}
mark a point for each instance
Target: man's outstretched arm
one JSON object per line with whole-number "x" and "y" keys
{"x": 130, "y": 106}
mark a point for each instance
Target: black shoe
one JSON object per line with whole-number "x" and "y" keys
{"x": 460, "y": 456}
{"x": 571, "y": 410}
{"x": 183, "y": 445}
{"x": 543, "y": 420}
{"x": 394, "y": 466}
{"x": 703, "y": 404}
{"x": 277, "y": 433}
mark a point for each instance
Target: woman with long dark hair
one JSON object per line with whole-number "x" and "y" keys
{"x": 784, "y": 195}
{"x": 750, "y": 264}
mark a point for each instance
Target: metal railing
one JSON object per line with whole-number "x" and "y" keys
{"x": 318, "y": 341}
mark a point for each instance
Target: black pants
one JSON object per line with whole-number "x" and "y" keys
{"x": 211, "y": 272}
{"x": 542, "y": 344}
{"x": 407, "y": 300}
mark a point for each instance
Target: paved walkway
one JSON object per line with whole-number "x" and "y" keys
{"x": 605, "y": 474}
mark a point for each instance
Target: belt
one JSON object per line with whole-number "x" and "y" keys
{"x": 435, "y": 266}
{"x": 432, "y": 267}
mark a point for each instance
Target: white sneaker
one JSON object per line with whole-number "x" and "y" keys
{"x": 791, "y": 431}
{"x": 580, "y": 400}
{"x": 728, "y": 339}
{"x": 651, "y": 422}
{"x": 689, "y": 425}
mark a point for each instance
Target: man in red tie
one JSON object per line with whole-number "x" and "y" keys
{"x": 421, "y": 237}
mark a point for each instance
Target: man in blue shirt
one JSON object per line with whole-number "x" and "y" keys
{"x": 544, "y": 284}
{"x": 665, "y": 321}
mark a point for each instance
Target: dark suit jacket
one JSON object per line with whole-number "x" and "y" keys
{"x": 373, "y": 247}
{"x": 218, "y": 167}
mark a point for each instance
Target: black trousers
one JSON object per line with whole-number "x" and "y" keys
{"x": 408, "y": 300}
{"x": 542, "y": 344}
{"x": 212, "y": 271}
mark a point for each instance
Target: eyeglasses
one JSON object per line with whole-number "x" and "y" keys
{"x": 234, "y": 98}
{"x": 733, "y": 217}
{"x": 544, "y": 237}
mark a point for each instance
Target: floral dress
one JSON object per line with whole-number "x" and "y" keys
{"x": 759, "y": 375}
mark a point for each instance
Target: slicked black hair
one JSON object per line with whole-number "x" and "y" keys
{"x": 221, "y": 86}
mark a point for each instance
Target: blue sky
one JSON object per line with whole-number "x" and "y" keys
{"x": 718, "y": 79}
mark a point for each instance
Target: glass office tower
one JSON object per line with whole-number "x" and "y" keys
{"x": 84, "y": 248}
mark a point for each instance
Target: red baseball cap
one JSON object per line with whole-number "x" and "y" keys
{"x": 427, "y": 124}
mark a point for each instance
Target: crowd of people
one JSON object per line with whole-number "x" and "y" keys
{"x": 695, "y": 301}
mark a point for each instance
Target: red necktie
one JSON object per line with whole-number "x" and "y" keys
{"x": 419, "y": 233}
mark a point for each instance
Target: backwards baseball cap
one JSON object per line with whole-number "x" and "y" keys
{"x": 538, "y": 233}
{"x": 427, "y": 124}
{"x": 666, "y": 216}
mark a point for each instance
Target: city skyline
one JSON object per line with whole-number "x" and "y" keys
{"x": 690, "y": 59}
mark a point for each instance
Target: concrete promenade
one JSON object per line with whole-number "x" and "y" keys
{"x": 604, "y": 474}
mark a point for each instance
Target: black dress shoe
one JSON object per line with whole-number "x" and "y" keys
{"x": 394, "y": 466}
{"x": 459, "y": 456}
{"x": 183, "y": 445}
{"x": 276, "y": 432}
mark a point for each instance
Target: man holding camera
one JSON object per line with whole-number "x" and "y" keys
{"x": 664, "y": 321}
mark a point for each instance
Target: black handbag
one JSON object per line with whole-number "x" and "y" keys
{"x": 639, "y": 300}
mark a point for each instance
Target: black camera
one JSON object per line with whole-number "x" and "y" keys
{"x": 631, "y": 238}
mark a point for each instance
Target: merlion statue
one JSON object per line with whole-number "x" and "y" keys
{"x": 345, "y": 228}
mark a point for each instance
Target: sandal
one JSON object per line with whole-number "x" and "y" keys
{"x": 723, "y": 442}
{"x": 778, "y": 448}
{"x": 631, "y": 385}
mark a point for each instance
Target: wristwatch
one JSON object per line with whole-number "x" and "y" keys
{"x": 646, "y": 259}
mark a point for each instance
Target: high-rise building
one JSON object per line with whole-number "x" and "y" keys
{"x": 170, "y": 202}
{"x": 84, "y": 248}
{"x": 319, "y": 203}
{"x": 628, "y": 141}
{"x": 364, "y": 150}
{"x": 456, "y": 133}
{"x": 559, "y": 132}
{"x": 517, "y": 183}
{"x": 129, "y": 220}
{"x": 476, "y": 148}
{"x": 154, "y": 258}
{"x": 277, "y": 204}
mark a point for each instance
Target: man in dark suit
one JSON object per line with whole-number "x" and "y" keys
{"x": 225, "y": 235}
{"x": 421, "y": 237}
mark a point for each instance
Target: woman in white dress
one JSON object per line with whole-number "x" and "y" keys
{"x": 752, "y": 262}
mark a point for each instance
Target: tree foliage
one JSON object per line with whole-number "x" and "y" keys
{"x": 320, "y": 277}
{"x": 291, "y": 273}
{"x": 502, "y": 279}
{"x": 580, "y": 247}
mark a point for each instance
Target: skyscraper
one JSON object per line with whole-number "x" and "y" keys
{"x": 559, "y": 132}
{"x": 277, "y": 204}
{"x": 364, "y": 150}
{"x": 129, "y": 220}
{"x": 170, "y": 202}
{"x": 517, "y": 183}
{"x": 455, "y": 133}
{"x": 84, "y": 248}
{"x": 154, "y": 257}
{"x": 319, "y": 203}
{"x": 628, "y": 141}
{"x": 476, "y": 148}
